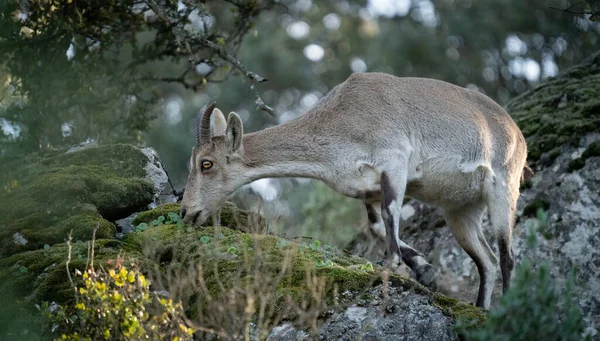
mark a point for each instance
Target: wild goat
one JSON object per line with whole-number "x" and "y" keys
{"x": 378, "y": 137}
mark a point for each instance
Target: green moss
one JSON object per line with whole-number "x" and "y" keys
{"x": 560, "y": 110}
{"x": 576, "y": 164}
{"x": 33, "y": 227}
{"x": 210, "y": 247}
{"x": 44, "y": 196}
{"x": 40, "y": 275}
{"x": 125, "y": 160}
{"x": 531, "y": 209}
{"x": 591, "y": 108}
{"x": 231, "y": 217}
{"x": 460, "y": 311}
{"x": 592, "y": 150}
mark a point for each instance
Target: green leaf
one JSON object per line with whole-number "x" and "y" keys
{"x": 174, "y": 217}
{"x": 23, "y": 269}
{"x": 161, "y": 218}
{"x": 142, "y": 227}
{"x": 232, "y": 250}
{"x": 315, "y": 245}
{"x": 205, "y": 239}
{"x": 46, "y": 247}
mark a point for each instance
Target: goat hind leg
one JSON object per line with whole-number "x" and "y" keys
{"x": 502, "y": 207}
{"x": 465, "y": 225}
{"x": 391, "y": 206}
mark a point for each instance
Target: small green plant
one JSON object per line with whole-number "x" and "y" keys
{"x": 141, "y": 227}
{"x": 171, "y": 219}
{"x": 325, "y": 264}
{"x": 367, "y": 267}
{"x": 117, "y": 305}
{"x": 205, "y": 239}
{"x": 315, "y": 245}
{"x": 232, "y": 250}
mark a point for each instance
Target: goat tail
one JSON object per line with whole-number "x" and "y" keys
{"x": 527, "y": 173}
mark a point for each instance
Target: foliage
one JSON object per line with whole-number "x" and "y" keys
{"x": 116, "y": 304}
{"x": 533, "y": 308}
{"x": 79, "y": 70}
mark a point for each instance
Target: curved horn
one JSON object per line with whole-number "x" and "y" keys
{"x": 203, "y": 124}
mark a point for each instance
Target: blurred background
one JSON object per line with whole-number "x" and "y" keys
{"x": 117, "y": 71}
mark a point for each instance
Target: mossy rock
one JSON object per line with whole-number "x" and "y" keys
{"x": 560, "y": 110}
{"x": 231, "y": 216}
{"x": 32, "y": 277}
{"x": 46, "y": 195}
{"x": 462, "y": 312}
{"x": 227, "y": 257}
{"x": 578, "y": 163}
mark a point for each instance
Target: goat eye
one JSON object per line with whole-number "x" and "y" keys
{"x": 206, "y": 164}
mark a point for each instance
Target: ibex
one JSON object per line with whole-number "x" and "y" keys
{"x": 378, "y": 137}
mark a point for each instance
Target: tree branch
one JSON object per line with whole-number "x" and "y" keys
{"x": 594, "y": 13}
{"x": 186, "y": 36}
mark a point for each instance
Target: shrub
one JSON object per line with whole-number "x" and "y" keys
{"x": 116, "y": 304}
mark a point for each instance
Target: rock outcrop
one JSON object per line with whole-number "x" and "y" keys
{"x": 561, "y": 122}
{"x": 46, "y": 196}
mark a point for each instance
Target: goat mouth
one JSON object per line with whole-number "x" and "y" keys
{"x": 195, "y": 220}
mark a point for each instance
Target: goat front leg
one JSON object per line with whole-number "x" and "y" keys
{"x": 392, "y": 194}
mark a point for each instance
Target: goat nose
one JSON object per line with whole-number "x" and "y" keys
{"x": 182, "y": 213}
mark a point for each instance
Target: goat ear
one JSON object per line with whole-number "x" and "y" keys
{"x": 219, "y": 123}
{"x": 235, "y": 131}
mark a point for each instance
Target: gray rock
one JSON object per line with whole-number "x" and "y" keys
{"x": 158, "y": 175}
{"x": 19, "y": 239}
{"x": 287, "y": 332}
{"x": 403, "y": 315}
{"x": 125, "y": 225}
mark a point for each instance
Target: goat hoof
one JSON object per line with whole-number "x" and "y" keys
{"x": 425, "y": 275}
{"x": 390, "y": 262}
